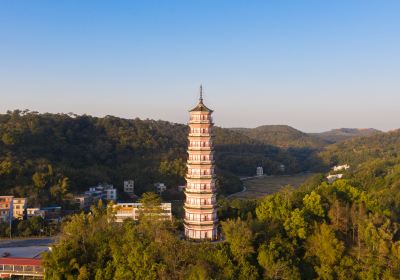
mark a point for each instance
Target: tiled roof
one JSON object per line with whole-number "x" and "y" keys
{"x": 20, "y": 261}
{"x": 201, "y": 108}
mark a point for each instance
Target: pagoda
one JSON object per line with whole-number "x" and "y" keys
{"x": 201, "y": 221}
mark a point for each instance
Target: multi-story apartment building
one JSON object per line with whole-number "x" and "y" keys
{"x": 129, "y": 187}
{"x": 102, "y": 191}
{"x": 6, "y": 208}
{"x": 83, "y": 201}
{"x": 19, "y": 209}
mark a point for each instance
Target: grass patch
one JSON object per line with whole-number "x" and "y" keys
{"x": 259, "y": 187}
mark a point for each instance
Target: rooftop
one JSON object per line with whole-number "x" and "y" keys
{"x": 31, "y": 252}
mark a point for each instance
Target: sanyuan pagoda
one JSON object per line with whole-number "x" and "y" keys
{"x": 201, "y": 219}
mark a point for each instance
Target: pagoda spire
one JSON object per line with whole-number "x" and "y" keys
{"x": 201, "y": 93}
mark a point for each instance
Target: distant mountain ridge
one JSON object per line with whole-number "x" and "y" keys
{"x": 359, "y": 150}
{"x": 285, "y": 136}
{"x": 341, "y": 134}
{"x": 282, "y": 136}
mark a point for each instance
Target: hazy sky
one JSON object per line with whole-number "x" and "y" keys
{"x": 314, "y": 65}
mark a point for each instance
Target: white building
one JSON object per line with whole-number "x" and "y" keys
{"x": 34, "y": 212}
{"x": 333, "y": 178}
{"x": 129, "y": 186}
{"x": 102, "y": 191}
{"x": 341, "y": 167}
{"x": 132, "y": 211}
{"x": 160, "y": 187}
{"x": 111, "y": 194}
{"x": 259, "y": 171}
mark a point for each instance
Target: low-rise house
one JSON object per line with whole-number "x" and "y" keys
{"x": 334, "y": 177}
{"x": 19, "y": 208}
{"x": 22, "y": 262}
{"x": 34, "y": 212}
{"x": 52, "y": 213}
{"x": 83, "y": 201}
{"x": 111, "y": 194}
{"x": 132, "y": 211}
{"x": 6, "y": 208}
{"x": 341, "y": 167}
{"x": 129, "y": 187}
{"x": 102, "y": 191}
{"x": 160, "y": 187}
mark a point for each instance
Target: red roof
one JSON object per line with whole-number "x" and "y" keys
{"x": 20, "y": 261}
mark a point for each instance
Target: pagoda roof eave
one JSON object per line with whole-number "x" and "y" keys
{"x": 201, "y": 108}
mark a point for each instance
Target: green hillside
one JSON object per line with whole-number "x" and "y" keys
{"x": 363, "y": 149}
{"x": 282, "y": 136}
{"x": 348, "y": 229}
{"x": 341, "y": 134}
{"x": 47, "y": 156}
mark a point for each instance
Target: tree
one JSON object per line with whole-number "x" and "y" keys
{"x": 296, "y": 225}
{"x": 312, "y": 204}
{"x": 275, "y": 207}
{"x": 327, "y": 249}
{"x": 278, "y": 260}
{"x": 239, "y": 236}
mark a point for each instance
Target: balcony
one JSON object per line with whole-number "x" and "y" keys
{"x": 201, "y": 223}
{"x": 204, "y": 121}
{"x": 201, "y": 162}
{"x": 201, "y": 134}
{"x": 199, "y": 207}
{"x": 198, "y": 191}
{"x": 198, "y": 148}
{"x": 200, "y": 176}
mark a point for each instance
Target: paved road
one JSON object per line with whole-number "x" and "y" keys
{"x": 7, "y": 243}
{"x": 243, "y": 186}
{"x": 242, "y": 191}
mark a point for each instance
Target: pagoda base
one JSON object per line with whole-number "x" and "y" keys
{"x": 201, "y": 233}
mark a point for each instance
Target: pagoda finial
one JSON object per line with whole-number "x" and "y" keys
{"x": 201, "y": 93}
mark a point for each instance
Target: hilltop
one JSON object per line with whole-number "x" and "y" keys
{"x": 341, "y": 134}
{"x": 355, "y": 151}
{"x": 283, "y": 136}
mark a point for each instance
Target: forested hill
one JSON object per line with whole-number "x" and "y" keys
{"x": 348, "y": 229}
{"x": 362, "y": 149}
{"x": 282, "y": 136}
{"x": 48, "y": 155}
{"x": 341, "y": 134}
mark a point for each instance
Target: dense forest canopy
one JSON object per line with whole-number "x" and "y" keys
{"x": 345, "y": 230}
{"x": 282, "y": 136}
{"x": 46, "y": 156}
{"x": 341, "y": 134}
{"x": 362, "y": 149}
{"x": 348, "y": 229}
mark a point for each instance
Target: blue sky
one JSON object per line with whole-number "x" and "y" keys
{"x": 314, "y": 65}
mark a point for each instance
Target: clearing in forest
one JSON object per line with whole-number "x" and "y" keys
{"x": 261, "y": 186}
